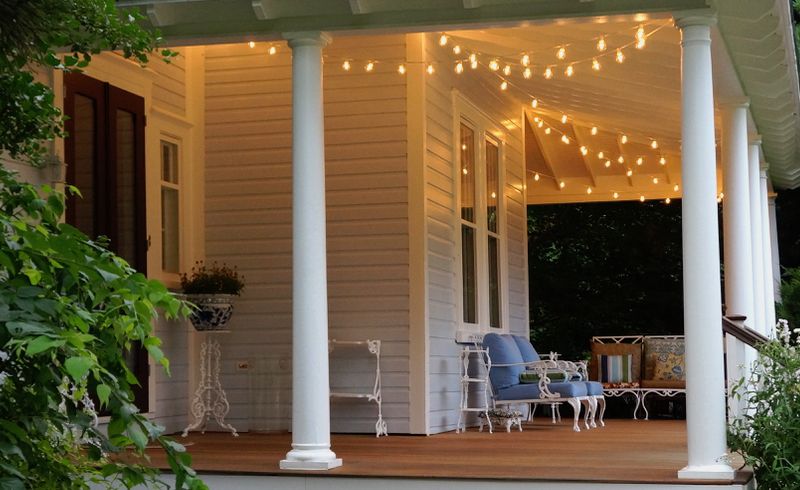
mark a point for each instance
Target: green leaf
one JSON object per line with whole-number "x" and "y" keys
{"x": 103, "y": 392}
{"x": 11, "y": 483}
{"x": 78, "y": 366}
{"x": 136, "y": 434}
{"x": 19, "y": 329}
{"x": 41, "y": 344}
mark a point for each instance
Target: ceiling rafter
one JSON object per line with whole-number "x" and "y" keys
{"x": 544, "y": 150}
{"x": 581, "y": 142}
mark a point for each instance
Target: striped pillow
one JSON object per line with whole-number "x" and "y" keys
{"x": 615, "y": 369}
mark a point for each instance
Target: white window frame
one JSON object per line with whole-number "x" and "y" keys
{"x": 169, "y": 276}
{"x": 485, "y": 129}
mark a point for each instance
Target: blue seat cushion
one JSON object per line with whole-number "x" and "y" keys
{"x": 593, "y": 388}
{"x": 525, "y": 347}
{"x": 503, "y": 350}
{"x": 531, "y": 391}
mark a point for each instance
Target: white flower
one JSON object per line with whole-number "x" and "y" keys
{"x": 3, "y": 376}
{"x": 3, "y": 355}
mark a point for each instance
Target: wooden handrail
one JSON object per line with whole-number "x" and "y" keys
{"x": 734, "y": 325}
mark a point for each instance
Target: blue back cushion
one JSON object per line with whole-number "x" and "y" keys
{"x": 525, "y": 347}
{"x": 503, "y": 350}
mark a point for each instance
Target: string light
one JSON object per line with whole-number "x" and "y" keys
{"x": 252, "y": 44}
{"x": 272, "y": 50}
{"x": 615, "y": 195}
{"x": 667, "y": 201}
{"x": 639, "y": 161}
{"x": 601, "y": 155}
{"x": 655, "y": 180}
{"x": 465, "y": 171}
{"x": 562, "y": 184}
{"x": 619, "y": 56}
{"x": 548, "y": 73}
{"x": 565, "y": 139}
{"x": 561, "y": 53}
{"x": 473, "y": 64}
{"x": 504, "y": 85}
{"x": 640, "y": 38}
{"x": 629, "y": 173}
{"x": 608, "y": 163}
{"x": 621, "y": 159}
{"x": 459, "y": 68}
{"x": 595, "y": 64}
{"x": 536, "y": 177}
{"x": 569, "y": 71}
{"x": 507, "y": 70}
{"x": 588, "y": 190}
{"x": 676, "y": 187}
{"x": 494, "y": 65}
{"x": 654, "y": 144}
{"x": 535, "y": 103}
{"x": 546, "y": 130}
{"x": 662, "y": 161}
{"x": 430, "y": 69}
{"x": 443, "y": 40}
{"x": 473, "y": 60}
{"x": 584, "y": 150}
{"x": 601, "y": 44}
{"x": 540, "y": 124}
{"x": 526, "y": 60}
{"x": 401, "y": 69}
{"x": 564, "y": 119}
{"x": 623, "y": 139}
{"x": 346, "y": 65}
{"x": 456, "y": 49}
{"x": 369, "y": 66}
{"x": 641, "y": 198}
{"x": 527, "y": 73}
{"x": 594, "y": 131}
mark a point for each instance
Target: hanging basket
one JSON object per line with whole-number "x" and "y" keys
{"x": 213, "y": 311}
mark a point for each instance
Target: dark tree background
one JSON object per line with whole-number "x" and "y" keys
{"x": 603, "y": 269}
{"x": 787, "y": 211}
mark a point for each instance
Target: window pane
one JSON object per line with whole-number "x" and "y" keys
{"x": 84, "y": 169}
{"x": 126, "y": 187}
{"x": 169, "y": 162}
{"x": 494, "y": 283}
{"x": 170, "y": 242}
{"x": 469, "y": 274}
{"x": 492, "y": 185}
{"x": 467, "y": 174}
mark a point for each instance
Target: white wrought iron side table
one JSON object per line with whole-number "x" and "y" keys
{"x": 374, "y": 348}
{"x": 209, "y": 399}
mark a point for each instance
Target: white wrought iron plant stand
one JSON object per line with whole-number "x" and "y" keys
{"x": 374, "y": 347}
{"x": 209, "y": 399}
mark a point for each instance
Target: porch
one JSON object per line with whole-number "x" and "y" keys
{"x": 644, "y": 454}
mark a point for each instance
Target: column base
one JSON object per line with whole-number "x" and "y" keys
{"x": 315, "y": 460}
{"x": 706, "y": 472}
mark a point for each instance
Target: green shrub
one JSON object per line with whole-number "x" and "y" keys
{"x": 789, "y": 307}
{"x": 768, "y": 432}
{"x": 214, "y": 279}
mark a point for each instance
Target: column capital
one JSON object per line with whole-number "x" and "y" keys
{"x": 307, "y": 38}
{"x": 754, "y": 139}
{"x": 764, "y": 170}
{"x": 729, "y": 103}
{"x": 689, "y": 18}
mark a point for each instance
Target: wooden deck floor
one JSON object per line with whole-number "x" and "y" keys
{"x": 625, "y": 451}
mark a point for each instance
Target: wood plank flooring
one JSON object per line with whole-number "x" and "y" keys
{"x": 625, "y": 451}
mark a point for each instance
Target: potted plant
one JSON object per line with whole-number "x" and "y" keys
{"x": 211, "y": 289}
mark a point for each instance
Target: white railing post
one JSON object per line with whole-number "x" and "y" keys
{"x": 705, "y": 383}
{"x": 311, "y": 438}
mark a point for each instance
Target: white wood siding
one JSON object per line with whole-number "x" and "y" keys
{"x": 248, "y": 222}
{"x": 169, "y": 86}
{"x": 442, "y": 220}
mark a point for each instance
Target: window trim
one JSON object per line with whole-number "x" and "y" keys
{"x": 171, "y": 278}
{"x": 485, "y": 129}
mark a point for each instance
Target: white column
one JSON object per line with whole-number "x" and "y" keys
{"x": 766, "y": 244}
{"x": 756, "y": 236}
{"x": 311, "y": 438}
{"x": 774, "y": 248}
{"x": 705, "y": 384}
{"x": 736, "y": 236}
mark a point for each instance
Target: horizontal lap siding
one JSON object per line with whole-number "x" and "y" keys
{"x": 442, "y": 226}
{"x": 249, "y": 216}
{"x": 169, "y": 86}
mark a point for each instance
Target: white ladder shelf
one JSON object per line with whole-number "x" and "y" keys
{"x": 481, "y": 380}
{"x": 374, "y": 348}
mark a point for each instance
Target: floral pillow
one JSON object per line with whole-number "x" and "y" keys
{"x": 669, "y": 367}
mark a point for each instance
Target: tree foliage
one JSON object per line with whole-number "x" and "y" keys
{"x": 603, "y": 269}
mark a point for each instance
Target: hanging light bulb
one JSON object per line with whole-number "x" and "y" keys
{"x": 654, "y": 144}
{"x": 535, "y": 103}
{"x": 536, "y": 119}
{"x": 561, "y": 53}
{"x": 346, "y": 65}
{"x": 540, "y": 124}
{"x": 615, "y": 195}
{"x": 639, "y": 161}
{"x": 430, "y": 69}
{"x": 547, "y": 130}
{"x": 456, "y": 49}
{"x": 588, "y": 190}
{"x": 629, "y": 173}
{"x": 569, "y": 71}
{"x": 503, "y": 85}
{"x": 564, "y": 119}
{"x": 595, "y": 64}
{"x": 536, "y": 177}
{"x": 641, "y": 198}
{"x": 565, "y": 139}
{"x": 548, "y": 73}
{"x": 667, "y": 201}
{"x": 640, "y": 43}
{"x": 443, "y": 40}
{"x": 676, "y": 188}
{"x": 459, "y": 68}
{"x": 655, "y": 180}
{"x": 623, "y": 139}
{"x": 662, "y": 161}
{"x": 584, "y": 150}
{"x": 608, "y": 163}
{"x": 527, "y": 72}
{"x": 507, "y": 70}
{"x": 562, "y": 184}
{"x": 473, "y": 64}
{"x": 594, "y": 131}
{"x": 473, "y": 60}
{"x": 619, "y": 56}
{"x": 601, "y": 155}
{"x": 272, "y": 50}
{"x": 494, "y": 65}
{"x": 601, "y": 44}
{"x": 621, "y": 159}
{"x": 369, "y": 66}
{"x": 252, "y": 44}
{"x": 640, "y": 37}
{"x": 464, "y": 171}
{"x": 526, "y": 60}
{"x": 401, "y": 69}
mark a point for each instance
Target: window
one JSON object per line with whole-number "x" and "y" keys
{"x": 170, "y": 209}
{"x": 481, "y": 232}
